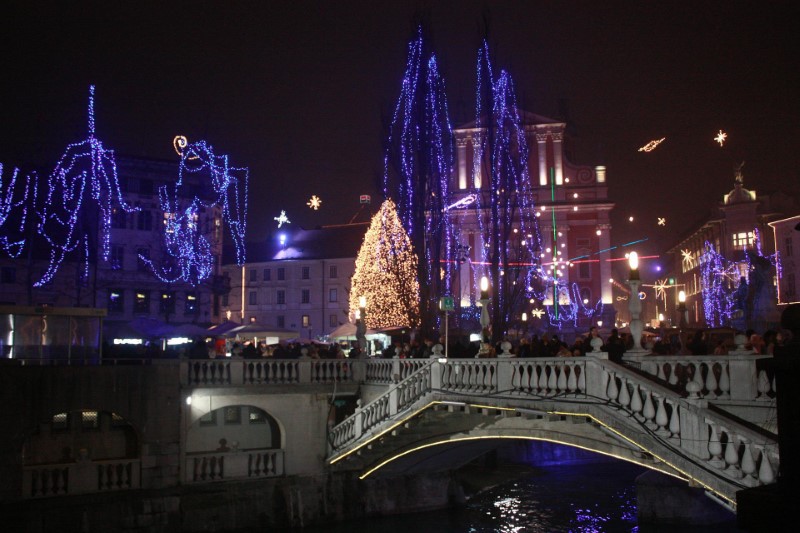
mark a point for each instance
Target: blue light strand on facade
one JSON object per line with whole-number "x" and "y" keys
{"x": 86, "y": 172}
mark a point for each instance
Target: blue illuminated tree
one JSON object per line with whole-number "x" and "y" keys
{"x": 17, "y": 201}
{"x": 417, "y": 168}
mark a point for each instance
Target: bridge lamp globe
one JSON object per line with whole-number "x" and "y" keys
{"x": 633, "y": 263}
{"x": 524, "y": 317}
{"x": 484, "y": 288}
{"x": 682, "y": 297}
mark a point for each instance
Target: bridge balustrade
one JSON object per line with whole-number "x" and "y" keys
{"x": 222, "y": 466}
{"x": 80, "y": 478}
{"x": 235, "y": 372}
{"x": 724, "y": 377}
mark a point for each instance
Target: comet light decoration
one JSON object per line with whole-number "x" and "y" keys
{"x": 418, "y": 163}
{"x": 386, "y": 273}
{"x": 82, "y": 193}
{"x": 282, "y": 219}
{"x": 315, "y": 202}
{"x": 649, "y": 147}
{"x": 188, "y": 254}
{"x": 721, "y": 137}
{"x": 17, "y": 196}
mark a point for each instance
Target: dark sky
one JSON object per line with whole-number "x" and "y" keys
{"x": 296, "y": 91}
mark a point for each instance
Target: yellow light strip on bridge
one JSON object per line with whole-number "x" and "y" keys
{"x": 643, "y": 448}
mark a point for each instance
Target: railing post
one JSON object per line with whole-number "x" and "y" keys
{"x": 436, "y": 374}
{"x": 358, "y": 422}
{"x": 359, "y": 367}
{"x": 304, "y": 371}
{"x": 595, "y": 382}
{"x": 394, "y": 400}
{"x": 743, "y": 378}
{"x": 505, "y": 371}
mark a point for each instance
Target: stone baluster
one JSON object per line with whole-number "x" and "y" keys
{"x": 694, "y": 385}
{"x": 624, "y": 397}
{"x": 715, "y": 447}
{"x": 648, "y": 411}
{"x": 552, "y": 381}
{"x": 582, "y": 379}
{"x": 542, "y": 370}
{"x": 562, "y": 378}
{"x": 660, "y": 374}
{"x": 732, "y": 456}
{"x": 661, "y": 417}
{"x": 748, "y": 465}
{"x": 636, "y": 402}
{"x": 724, "y": 381}
{"x": 572, "y": 381}
{"x": 612, "y": 392}
{"x": 673, "y": 374}
{"x": 763, "y": 386}
{"x": 766, "y": 474}
{"x": 675, "y": 423}
{"x": 711, "y": 381}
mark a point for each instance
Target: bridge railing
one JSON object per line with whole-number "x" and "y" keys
{"x": 80, "y": 478}
{"x": 725, "y": 377}
{"x": 222, "y": 466}
{"x": 235, "y": 372}
{"x": 732, "y": 450}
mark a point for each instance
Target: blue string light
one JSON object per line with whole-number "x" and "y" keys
{"x": 86, "y": 172}
{"x": 16, "y": 197}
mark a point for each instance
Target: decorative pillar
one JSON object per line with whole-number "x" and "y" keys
{"x": 461, "y": 154}
{"x": 541, "y": 146}
{"x": 558, "y": 156}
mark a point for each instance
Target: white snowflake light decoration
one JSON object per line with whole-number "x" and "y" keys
{"x": 282, "y": 219}
{"x": 662, "y": 221}
{"x": 687, "y": 256}
{"x": 720, "y": 138}
{"x": 537, "y": 312}
{"x": 315, "y": 202}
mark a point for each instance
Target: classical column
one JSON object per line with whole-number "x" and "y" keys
{"x": 541, "y": 146}
{"x": 461, "y": 154}
{"x": 558, "y": 156}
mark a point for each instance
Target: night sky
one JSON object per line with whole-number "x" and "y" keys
{"x": 298, "y": 91}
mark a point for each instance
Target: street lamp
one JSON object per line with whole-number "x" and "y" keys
{"x": 484, "y": 300}
{"x": 524, "y": 324}
{"x": 634, "y": 303}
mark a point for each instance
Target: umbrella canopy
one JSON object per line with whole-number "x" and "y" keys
{"x": 302, "y": 340}
{"x": 189, "y": 330}
{"x": 222, "y": 329}
{"x": 260, "y": 330}
{"x": 348, "y": 330}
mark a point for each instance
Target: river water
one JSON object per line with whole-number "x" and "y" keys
{"x": 597, "y": 497}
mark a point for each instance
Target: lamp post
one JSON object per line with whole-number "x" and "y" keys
{"x": 634, "y": 303}
{"x": 484, "y": 300}
{"x": 361, "y": 323}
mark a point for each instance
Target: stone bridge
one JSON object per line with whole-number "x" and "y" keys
{"x": 708, "y": 420}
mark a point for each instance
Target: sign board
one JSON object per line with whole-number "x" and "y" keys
{"x": 446, "y": 303}
{"x": 365, "y": 199}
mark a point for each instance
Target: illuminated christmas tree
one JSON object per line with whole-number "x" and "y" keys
{"x": 386, "y": 273}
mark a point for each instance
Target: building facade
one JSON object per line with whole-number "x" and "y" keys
{"x": 572, "y": 214}
{"x": 298, "y": 280}
{"x": 739, "y": 238}
{"x": 787, "y": 238}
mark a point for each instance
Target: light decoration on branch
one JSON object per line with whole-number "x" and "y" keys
{"x": 82, "y": 192}
{"x": 17, "y": 198}
{"x": 649, "y": 147}
{"x": 386, "y": 273}
{"x": 463, "y": 202}
{"x": 282, "y": 219}
{"x": 721, "y": 137}
{"x": 418, "y": 163}
{"x": 315, "y": 202}
{"x": 188, "y": 253}
{"x": 723, "y": 284}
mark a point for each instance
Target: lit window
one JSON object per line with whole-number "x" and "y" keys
{"x": 306, "y": 321}
{"x": 116, "y": 302}
{"x": 191, "y": 304}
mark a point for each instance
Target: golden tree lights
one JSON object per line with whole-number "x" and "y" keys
{"x": 386, "y": 273}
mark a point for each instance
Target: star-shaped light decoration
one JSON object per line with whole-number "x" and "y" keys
{"x": 649, "y": 147}
{"x": 537, "y": 312}
{"x": 720, "y": 138}
{"x": 282, "y": 219}
{"x": 687, "y": 256}
{"x": 315, "y": 202}
{"x": 662, "y": 221}
{"x": 660, "y": 287}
